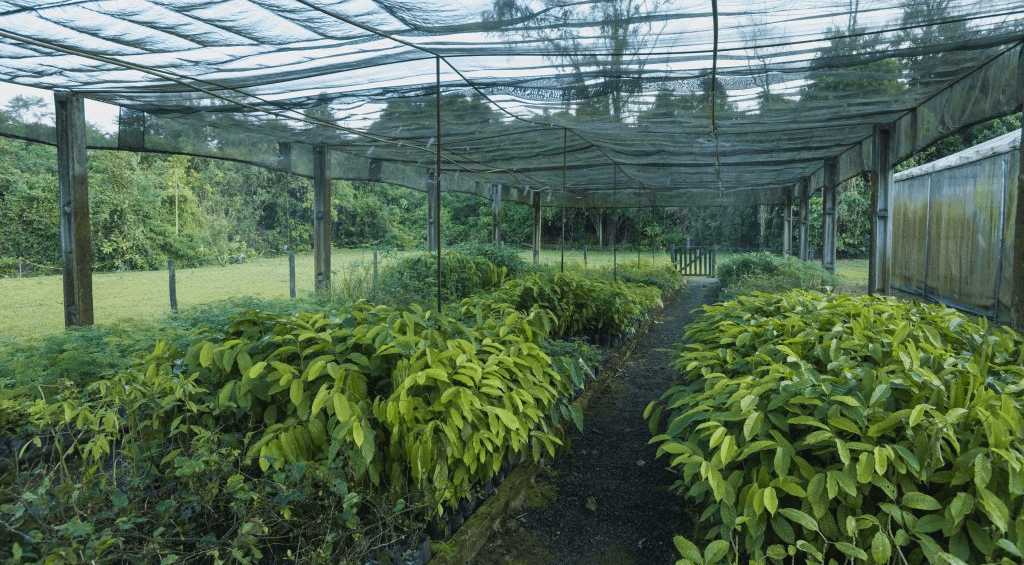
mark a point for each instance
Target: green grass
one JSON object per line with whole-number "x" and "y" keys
{"x": 33, "y": 306}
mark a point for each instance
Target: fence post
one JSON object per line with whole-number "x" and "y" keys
{"x": 172, "y": 285}
{"x": 291, "y": 274}
{"x": 374, "y": 281}
{"x": 585, "y": 256}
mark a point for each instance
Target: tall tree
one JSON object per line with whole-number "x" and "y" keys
{"x": 603, "y": 73}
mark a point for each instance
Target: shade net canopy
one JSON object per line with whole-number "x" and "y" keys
{"x": 597, "y": 103}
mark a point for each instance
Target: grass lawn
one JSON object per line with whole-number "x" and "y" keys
{"x": 34, "y": 306}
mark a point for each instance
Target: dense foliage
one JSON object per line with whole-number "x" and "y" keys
{"x": 818, "y": 428}
{"x": 279, "y": 431}
{"x": 765, "y": 272}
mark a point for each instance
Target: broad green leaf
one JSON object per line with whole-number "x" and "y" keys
{"x": 752, "y": 425}
{"x": 1009, "y": 546}
{"x": 781, "y": 461}
{"x": 929, "y": 523}
{"x": 206, "y": 354}
{"x": 295, "y": 392}
{"x": 881, "y": 548}
{"x": 800, "y": 517}
{"x": 961, "y": 505}
{"x": 881, "y": 461}
{"x": 847, "y": 400}
{"x": 851, "y": 550}
{"x": 865, "y": 467}
{"x": 342, "y": 410}
{"x": 783, "y": 529}
{"x": 982, "y": 470}
{"x": 357, "y": 433}
{"x": 771, "y": 501}
{"x": 687, "y": 549}
{"x": 920, "y": 501}
{"x": 995, "y": 508}
{"x": 916, "y": 415}
{"x": 715, "y": 551}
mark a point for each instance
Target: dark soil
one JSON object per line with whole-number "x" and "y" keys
{"x": 607, "y": 502}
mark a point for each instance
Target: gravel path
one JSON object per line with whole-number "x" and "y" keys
{"x": 607, "y": 502}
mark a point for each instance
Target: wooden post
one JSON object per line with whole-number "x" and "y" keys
{"x": 75, "y": 233}
{"x": 321, "y": 218}
{"x": 538, "y": 233}
{"x": 787, "y": 226}
{"x": 881, "y": 248}
{"x": 374, "y": 279}
{"x": 291, "y": 274}
{"x": 1017, "y": 277}
{"x": 432, "y": 210}
{"x": 805, "y": 218}
{"x": 828, "y": 215}
{"x": 584, "y": 256}
{"x": 172, "y": 283}
{"x": 496, "y": 214}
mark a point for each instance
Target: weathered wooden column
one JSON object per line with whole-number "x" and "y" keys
{"x": 1017, "y": 280}
{"x": 881, "y": 248}
{"x": 787, "y": 225}
{"x": 496, "y": 213}
{"x": 432, "y": 212}
{"x": 75, "y": 234}
{"x": 805, "y": 218}
{"x": 538, "y": 233}
{"x": 321, "y": 218}
{"x": 828, "y": 216}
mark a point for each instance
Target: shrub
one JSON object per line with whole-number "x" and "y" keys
{"x": 581, "y": 307}
{"x": 311, "y": 437}
{"x": 505, "y": 256}
{"x": 413, "y": 279}
{"x": 839, "y": 429}
{"x": 765, "y": 272}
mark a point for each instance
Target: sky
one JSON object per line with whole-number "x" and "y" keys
{"x": 103, "y": 116}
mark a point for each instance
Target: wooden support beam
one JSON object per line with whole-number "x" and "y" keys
{"x": 787, "y": 226}
{"x": 321, "y": 218}
{"x": 537, "y": 231}
{"x": 433, "y": 209}
{"x": 75, "y": 233}
{"x": 805, "y": 219}
{"x": 881, "y": 247}
{"x": 496, "y": 213}
{"x": 828, "y": 216}
{"x": 1017, "y": 277}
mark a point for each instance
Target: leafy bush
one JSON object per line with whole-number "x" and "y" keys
{"x": 505, "y": 256}
{"x": 580, "y": 306}
{"x": 840, "y": 429}
{"x": 765, "y": 272}
{"x": 313, "y": 437}
{"x": 661, "y": 275}
{"x": 413, "y": 279}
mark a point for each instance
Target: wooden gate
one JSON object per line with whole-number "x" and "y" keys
{"x": 694, "y": 261}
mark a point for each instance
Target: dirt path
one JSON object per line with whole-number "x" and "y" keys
{"x": 606, "y": 502}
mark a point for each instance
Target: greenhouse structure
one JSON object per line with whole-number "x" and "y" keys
{"x": 953, "y": 227}
{"x": 592, "y": 104}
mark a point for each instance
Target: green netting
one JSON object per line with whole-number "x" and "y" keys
{"x": 629, "y": 103}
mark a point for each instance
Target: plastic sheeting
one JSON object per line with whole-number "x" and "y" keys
{"x": 594, "y": 103}
{"x": 953, "y": 224}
